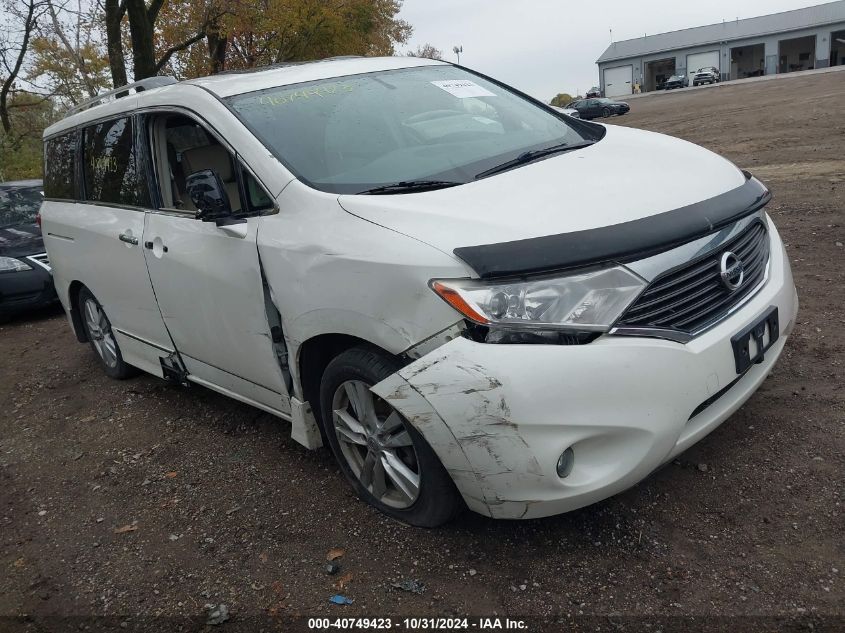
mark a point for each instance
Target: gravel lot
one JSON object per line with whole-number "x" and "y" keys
{"x": 137, "y": 499}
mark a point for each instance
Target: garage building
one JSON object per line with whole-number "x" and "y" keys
{"x": 791, "y": 41}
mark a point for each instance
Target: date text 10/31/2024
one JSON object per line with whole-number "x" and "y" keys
{"x": 419, "y": 624}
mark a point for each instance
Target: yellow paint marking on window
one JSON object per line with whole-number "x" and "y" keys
{"x": 314, "y": 92}
{"x": 103, "y": 165}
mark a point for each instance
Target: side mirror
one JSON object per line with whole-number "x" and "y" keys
{"x": 209, "y": 196}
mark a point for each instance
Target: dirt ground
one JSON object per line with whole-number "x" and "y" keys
{"x": 223, "y": 507}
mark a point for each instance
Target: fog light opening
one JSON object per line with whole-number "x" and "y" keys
{"x": 565, "y": 463}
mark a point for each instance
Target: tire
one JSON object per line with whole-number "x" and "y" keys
{"x": 98, "y": 329}
{"x": 385, "y": 455}
{"x": 606, "y": 113}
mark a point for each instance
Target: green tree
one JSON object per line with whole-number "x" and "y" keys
{"x": 69, "y": 61}
{"x": 20, "y": 18}
{"x": 253, "y": 33}
{"x": 21, "y": 149}
{"x": 561, "y": 100}
{"x": 190, "y": 38}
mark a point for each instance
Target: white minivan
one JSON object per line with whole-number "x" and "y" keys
{"x": 469, "y": 296}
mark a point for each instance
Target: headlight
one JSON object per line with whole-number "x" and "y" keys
{"x": 12, "y": 265}
{"x": 588, "y": 301}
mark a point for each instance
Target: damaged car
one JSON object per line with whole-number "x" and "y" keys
{"x": 426, "y": 270}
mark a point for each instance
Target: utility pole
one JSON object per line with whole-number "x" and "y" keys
{"x": 458, "y": 50}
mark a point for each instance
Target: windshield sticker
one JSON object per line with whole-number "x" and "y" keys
{"x": 463, "y": 88}
{"x": 315, "y": 92}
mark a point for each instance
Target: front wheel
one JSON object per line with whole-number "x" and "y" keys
{"x": 99, "y": 331}
{"x": 387, "y": 461}
{"x": 606, "y": 113}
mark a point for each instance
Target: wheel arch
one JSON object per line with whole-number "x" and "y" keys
{"x": 315, "y": 354}
{"x": 75, "y": 314}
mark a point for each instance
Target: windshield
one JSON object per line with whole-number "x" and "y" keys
{"x": 349, "y": 134}
{"x": 18, "y": 205}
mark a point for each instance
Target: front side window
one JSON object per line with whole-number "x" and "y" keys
{"x": 60, "y": 167}
{"x": 183, "y": 147}
{"x": 110, "y": 166}
{"x": 350, "y": 134}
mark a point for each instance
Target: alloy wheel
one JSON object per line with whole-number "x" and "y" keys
{"x": 99, "y": 329}
{"x": 376, "y": 445}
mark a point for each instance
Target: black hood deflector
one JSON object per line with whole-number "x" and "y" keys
{"x": 623, "y": 242}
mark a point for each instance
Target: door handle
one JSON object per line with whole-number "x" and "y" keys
{"x": 149, "y": 246}
{"x": 129, "y": 239}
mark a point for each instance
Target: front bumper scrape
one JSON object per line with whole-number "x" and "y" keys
{"x": 403, "y": 397}
{"x": 500, "y": 442}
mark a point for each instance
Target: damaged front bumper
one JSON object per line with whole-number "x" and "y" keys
{"x": 500, "y": 416}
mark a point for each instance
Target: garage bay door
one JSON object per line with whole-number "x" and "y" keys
{"x": 617, "y": 81}
{"x": 702, "y": 60}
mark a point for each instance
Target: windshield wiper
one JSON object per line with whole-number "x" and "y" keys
{"x": 410, "y": 186}
{"x": 527, "y": 157}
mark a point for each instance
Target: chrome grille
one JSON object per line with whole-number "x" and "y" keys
{"x": 41, "y": 259}
{"x": 692, "y": 296}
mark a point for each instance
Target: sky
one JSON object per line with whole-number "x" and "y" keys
{"x": 544, "y": 47}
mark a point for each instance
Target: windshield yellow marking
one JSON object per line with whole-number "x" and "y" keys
{"x": 322, "y": 92}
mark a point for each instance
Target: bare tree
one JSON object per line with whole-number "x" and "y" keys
{"x": 144, "y": 23}
{"x": 81, "y": 22}
{"x": 428, "y": 51}
{"x": 114, "y": 12}
{"x": 68, "y": 58}
{"x": 23, "y": 18}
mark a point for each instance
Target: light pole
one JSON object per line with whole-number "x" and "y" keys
{"x": 458, "y": 50}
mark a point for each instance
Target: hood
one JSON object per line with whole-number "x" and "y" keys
{"x": 628, "y": 175}
{"x": 21, "y": 240}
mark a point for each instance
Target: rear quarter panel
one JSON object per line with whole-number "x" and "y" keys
{"x": 58, "y": 221}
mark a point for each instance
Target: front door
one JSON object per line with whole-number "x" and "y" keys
{"x": 207, "y": 278}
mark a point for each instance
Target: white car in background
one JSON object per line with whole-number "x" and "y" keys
{"x": 568, "y": 112}
{"x": 709, "y": 75}
{"x": 426, "y": 269}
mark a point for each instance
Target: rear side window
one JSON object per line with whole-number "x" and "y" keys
{"x": 110, "y": 166}
{"x": 60, "y": 167}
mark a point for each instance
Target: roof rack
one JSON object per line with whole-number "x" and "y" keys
{"x": 117, "y": 93}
